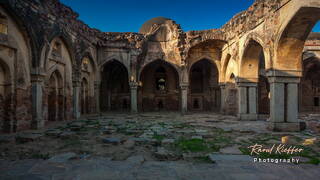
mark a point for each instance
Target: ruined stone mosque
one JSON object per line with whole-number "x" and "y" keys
{"x": 264, "y": 63}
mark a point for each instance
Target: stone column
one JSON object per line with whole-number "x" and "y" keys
{"x": 76, "y": 99}
{"x": 284, "y": 104}
{"x": 222, "y": 98}
{"x": 184, "y": 97}
{"x": 133, "y": 80}
{"x": 134, "y": 96}
{"x": 247, "y": 100}
{"x": 37, "y": 97}
{"x": 97, "y": 95}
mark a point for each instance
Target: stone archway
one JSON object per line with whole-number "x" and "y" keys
{"x": 263, "y": 96}
{"x": 231, "y": 94}
{"x": 292, "y": 39}
{"x": 55, "y": 97}
{"x": 88, "y": 93}
{"x": 310, "y": 102}
{"x": 59, "y": 91}
{"x": 253, "y": 84}
{"x": 263, "y": 87}
{"x": 288, "y": 69}
{"x": 159, "y": 91}
{"x": 84, "y": 96}
{"x": 115, "y": 90}
{"x": 204, "y": 88}
{"x": 5, "y": 98}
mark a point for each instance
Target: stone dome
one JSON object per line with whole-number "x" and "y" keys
{"x": 146, "y": 27}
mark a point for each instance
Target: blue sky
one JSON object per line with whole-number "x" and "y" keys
{"x": 129, "y": 15}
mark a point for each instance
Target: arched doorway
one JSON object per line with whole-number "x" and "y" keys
{"x": 288, "y": 60}
{"x": 89, "y": 97}
{"x": 254, "y": 83}
{"x": 59, "y": 87}
{"x": 84, "y": 96}
{"x": 310, "y": 86}
{"x": 55, "y": 97}
{"x": 263, "y": 95}
{"x": 231, "y": 95}
{"x": 5, "y": 98}
{"x": 159, "y": 89}
{"x": 263, "y": 87}
{"x": 204, "y": 89}
{"x": 115, "y": 94}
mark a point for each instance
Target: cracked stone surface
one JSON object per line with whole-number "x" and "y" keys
{"x": 149, "y": 146}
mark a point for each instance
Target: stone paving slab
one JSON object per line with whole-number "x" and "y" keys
{"x": 148, "y": 149}
{"x": 103, "y": 168}
{"x": 232, "y": 158}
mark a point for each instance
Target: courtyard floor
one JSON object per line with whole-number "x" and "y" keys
{"x": 155, "y": 146}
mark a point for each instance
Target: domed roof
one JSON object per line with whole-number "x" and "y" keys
{"x": 146, "y": 27}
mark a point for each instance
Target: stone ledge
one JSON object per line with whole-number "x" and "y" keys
{"x": 284, "y": 127}
{"x": 247, "y": 117}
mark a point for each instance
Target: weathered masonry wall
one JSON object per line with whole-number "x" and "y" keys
{"x": 53, "y": 67}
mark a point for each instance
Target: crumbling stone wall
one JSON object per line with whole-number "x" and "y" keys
{"x": 30, "y": 28}
{"x": 309, "y": 86}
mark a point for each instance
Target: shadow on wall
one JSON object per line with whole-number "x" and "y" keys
{"x": 204, "y": 90}
{"x": 159, "y": 90}
{"x": 114, "y": 94}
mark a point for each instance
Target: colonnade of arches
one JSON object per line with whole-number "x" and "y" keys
{"x": 158, "y": 88}
{"x": 266, "y": 80}
{"x": 284, "y": 86}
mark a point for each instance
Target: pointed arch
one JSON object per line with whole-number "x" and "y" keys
{"x": 224, "y": 67}
{"x": 292, "y": 36}
{"x": 175, "y": 67}
{"x": 55, "y": 97}
{"x": 204, "y": 87}
{"x": 252, "y": 60}
{"x": 114, "y": 87}
{"x": 159, "y": 87}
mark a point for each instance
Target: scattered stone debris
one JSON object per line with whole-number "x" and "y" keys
{"x": 231, "y": 158}
{"x": 27, "y": 137}
{"x": 114, "y": 141}
{"x": 231, "y": 150}
{"x": 61, "y": 158}
{"x": 162, "y": 154}
{"x": 136, "y": 159}
{"x": 6, "y": 138}
{"x": 196, "y": 137}
{"x": 167, "y": 141}
{"x": 165, "y": 138}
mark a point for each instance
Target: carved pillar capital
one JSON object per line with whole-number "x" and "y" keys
{"x": 280, "y": 79}
{"x": 133, "y": 85}
{"x": 222, "y": 85}
{"x": 37, "y": 76}
{"x": 76, "y": 83}
{"x": 184, "y": 86}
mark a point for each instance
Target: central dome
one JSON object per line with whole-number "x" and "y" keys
{"x": 146, "y": 27}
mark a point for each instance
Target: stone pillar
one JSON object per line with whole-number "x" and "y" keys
{"x": 247, "y": 100}
{"x": 184, "y": 97}
{"x": 76, "y": 99}
{"x": 134, "y": 96}
{"x": 97, "y": 95}
{"x": 133, "y": 82}
{"x": 37, "y": 97}
{"x": 284, "y": 104}
{"x": 222, "y": 98}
